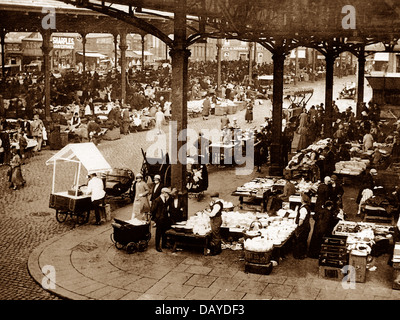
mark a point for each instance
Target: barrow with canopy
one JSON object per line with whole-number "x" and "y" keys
{"x": 73, "y": 201}
{"x": 298, "y": 99}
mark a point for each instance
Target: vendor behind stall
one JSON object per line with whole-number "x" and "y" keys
{"x": 325, "y": 220}
{"x": 95, "y": 188}
{"x": 303, "y": 229}
{"x": 215, "y": 215}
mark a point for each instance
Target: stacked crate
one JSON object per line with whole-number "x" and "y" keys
{"x": 396, "y": 266}
{"x": 333, "y": 257}
{"x": 257, "y": 262}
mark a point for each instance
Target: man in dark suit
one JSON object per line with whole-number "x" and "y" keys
{"x": 156, "y": 190}
{"x": 160, "y": 214}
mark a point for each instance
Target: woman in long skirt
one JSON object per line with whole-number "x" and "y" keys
{"x": 249, "y": 112}
{"x": 141, "y": 201}
{"x": 16, "y": 179}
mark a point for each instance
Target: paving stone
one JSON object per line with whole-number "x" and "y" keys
{"x": 252, "y": 296}
{"x": 278, "y": 290}
{"x": 226, "y": 283}
{"x": 157, "y": 288}
{"x": 225, "y": 294}
{"x": 176, "y": 277}
{"x": 147, "y": 296}
{"x": 250, "y": 286}
{"x": 304, "y": 293}
{"x": 176, "y": 290}
{"x": 199, "y": 280}
{"x": 198, "y": 270}
{"x": 141, "y": 285}
{"x": 201, "y": 294}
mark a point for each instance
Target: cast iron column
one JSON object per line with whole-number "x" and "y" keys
{"x": 276, "y": 168}
{"x": 360, "y": 88}
{"x": 219, "y": 46}
{"x": 83, "y": 35}
{"x": 330, "y": 61}
{"x": 250, "y": 63}
{"x": 123, "y": 46}
{"x": 3, "y": 54}
{"x": 142, "y": 52}
{"x": 46, "y": 49}
{"x": 179, "y": 60}
{"x": 115, "y": 51}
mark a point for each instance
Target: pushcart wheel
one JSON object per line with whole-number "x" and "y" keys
{"x": 142, "y": 245}
{"x": 131, "y": 247}
{"x": 61, "y": 216}
{"x": 81, "y": 217}
{"x": 118, "y": 245}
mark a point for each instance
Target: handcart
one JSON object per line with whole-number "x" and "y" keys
{"x": 131, "y": 237}
{"x": 119, "y": 182}
{"x": 74, "y": 202}
{"x": 348, "y": 91}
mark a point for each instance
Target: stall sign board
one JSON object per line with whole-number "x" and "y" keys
{"x": 63, "y": 42}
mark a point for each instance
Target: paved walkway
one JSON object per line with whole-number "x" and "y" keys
{"x": 87, "y": 265}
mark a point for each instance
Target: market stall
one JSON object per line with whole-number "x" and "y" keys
{"x": 74, "y": 201}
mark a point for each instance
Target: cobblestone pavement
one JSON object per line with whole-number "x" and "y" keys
{"x": 26, "y": 220}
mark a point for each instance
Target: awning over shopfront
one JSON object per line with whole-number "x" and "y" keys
{"x": 381, "y": 56}
{"x": 85, "y": 153}
{"x": 139, "y": 53}
{"x": 93, "y": 55}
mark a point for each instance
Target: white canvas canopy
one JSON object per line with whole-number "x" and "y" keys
{"x": 85, "y": 153}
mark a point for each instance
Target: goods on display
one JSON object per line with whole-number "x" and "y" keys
{"x": 136, "y": 222}
{"x": 306, "y": 159}
{"x": 258, "y": 244}
{"x": 353, "y": 167}
{"x": 361, "y": 236}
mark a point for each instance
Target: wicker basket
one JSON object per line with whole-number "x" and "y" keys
{"x": 257, "y": 257}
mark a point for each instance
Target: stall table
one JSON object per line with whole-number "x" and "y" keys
{"x": 259, "y": 198}
{"x": 295, "y": 200}
{"x": 183, "y": 239}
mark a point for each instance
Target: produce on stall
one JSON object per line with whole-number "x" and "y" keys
{"x": 353, "y": 167}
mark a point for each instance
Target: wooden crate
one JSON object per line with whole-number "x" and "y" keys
{"x": 396, "y": 279}
{"x": 258, "y": 268}
{"x": 328, "y": 272}
{"x": 263, "y": 258}
{"x": 360, "y": 265}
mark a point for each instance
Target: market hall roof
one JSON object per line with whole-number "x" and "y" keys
{"x": 264, "y": 19}
{"x": 27, "y": 16}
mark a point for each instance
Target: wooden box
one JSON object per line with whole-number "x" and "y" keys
{"x": 360, "y": 266}
{"x": 258, "y": 268}
{"x": 396, "y": 279}
{"x": 66, "y": 203}
{"x": 333, "y": 273}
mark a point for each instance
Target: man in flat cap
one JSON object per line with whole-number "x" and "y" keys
{"x": 160, "y": 214}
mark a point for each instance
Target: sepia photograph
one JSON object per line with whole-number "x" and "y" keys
{"x": 200, "y": 157}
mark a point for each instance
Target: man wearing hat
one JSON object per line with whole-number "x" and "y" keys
{"x": 160, "y": 214}
{"x": 367, "y": 181}
{"x": 95, "y": 188}
{"x": 215, "y": 215}
{"x": 156, "y": 190}
{"x": 325, "y": 220}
